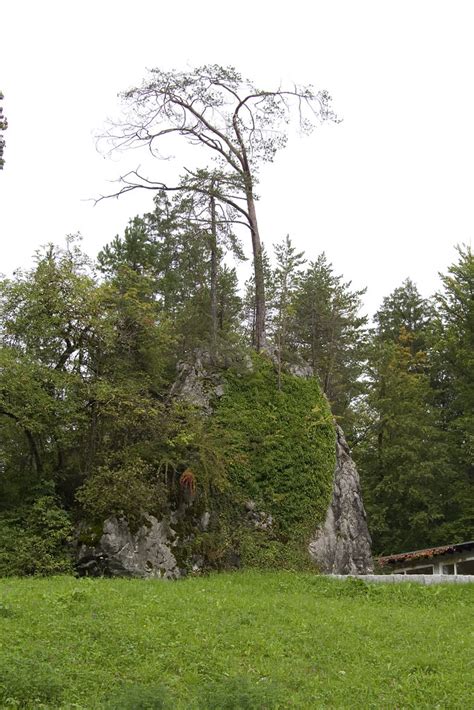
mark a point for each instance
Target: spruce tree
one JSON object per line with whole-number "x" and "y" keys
{"x": 328, "y": 331}
{"x": 453, "y": 381}
{"x": 403, "y": 457}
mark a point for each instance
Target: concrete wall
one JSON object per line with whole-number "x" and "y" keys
{"x": 418, "y": 578}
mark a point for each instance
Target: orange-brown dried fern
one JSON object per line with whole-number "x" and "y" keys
{"x": 187, "y": 482}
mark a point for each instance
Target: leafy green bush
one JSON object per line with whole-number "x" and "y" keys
{"x": 35, "y": 540}
{"x": 264, "y": 550}
{"x": 128, "y": 490}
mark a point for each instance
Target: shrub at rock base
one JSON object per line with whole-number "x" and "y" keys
{"x": 36, "y": 540}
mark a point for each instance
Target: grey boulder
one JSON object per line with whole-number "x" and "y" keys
{"x": 121, "y": 552}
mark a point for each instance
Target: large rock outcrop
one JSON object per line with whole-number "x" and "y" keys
{"x": 121, "y": 552}
{"x": 342, "y": 545}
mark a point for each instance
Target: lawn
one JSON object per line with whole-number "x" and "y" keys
{"x": 236, "y": 640}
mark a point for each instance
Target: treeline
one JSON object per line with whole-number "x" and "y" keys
{"x": 402, "y": 388}
{"x": 90, "y": 351}
{"x": 414, "y": 433}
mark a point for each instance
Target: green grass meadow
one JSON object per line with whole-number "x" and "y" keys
{"x": 236, "y": 640}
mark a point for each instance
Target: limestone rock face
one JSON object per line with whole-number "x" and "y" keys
{"x": 193, "y": 385}
{"x": 343, "y": 544}
{"x": 198, "y": 383}
{"x": 119, "y": 552}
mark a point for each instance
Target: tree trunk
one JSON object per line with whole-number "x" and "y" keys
{"x": 260, "y": 336}
{"x": 213, "y": 276}
{"x": 313, "y": 339}
{"x": 279, "y": 359}
{"x": 329, "y": 366}
{"x": 31, "y": 441}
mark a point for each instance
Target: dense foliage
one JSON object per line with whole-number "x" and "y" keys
{"x": 278, "y": 445}
{"x": 416, "y": 425}
{"x": 91, "y": 426}
{"x": 88, "y": 364}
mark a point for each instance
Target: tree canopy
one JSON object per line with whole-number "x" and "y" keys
{"x": 236, "y": 123}
{"x": 92, "y": 421}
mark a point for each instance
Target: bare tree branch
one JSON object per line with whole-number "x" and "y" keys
{"x": 238, "y": 124}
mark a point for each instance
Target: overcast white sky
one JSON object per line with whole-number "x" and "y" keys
{"x": 387, "y": 193}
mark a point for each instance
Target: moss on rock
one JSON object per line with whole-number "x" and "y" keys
{"x": 263, "y": 460}
{"x": 278, "y": 446}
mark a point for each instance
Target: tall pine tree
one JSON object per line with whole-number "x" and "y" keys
{"x": 403, "y": 458}
{"x": 453, "y": 380}
{"x": 329, "y": 332}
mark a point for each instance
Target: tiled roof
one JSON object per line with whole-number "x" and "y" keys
{"x": 425, "y": 554}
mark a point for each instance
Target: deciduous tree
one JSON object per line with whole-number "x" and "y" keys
{"x": 239, "y": 124}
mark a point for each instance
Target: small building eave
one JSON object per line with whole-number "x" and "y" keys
{"x": 429, "y": 553}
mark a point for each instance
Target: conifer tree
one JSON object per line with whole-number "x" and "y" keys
{"x": 453, "y": 382}
{"x": 403, "y": 458}
{"x": 178, "y": 252}
{"x": 329, "y": 332}
{"x": 288, "y": 263}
